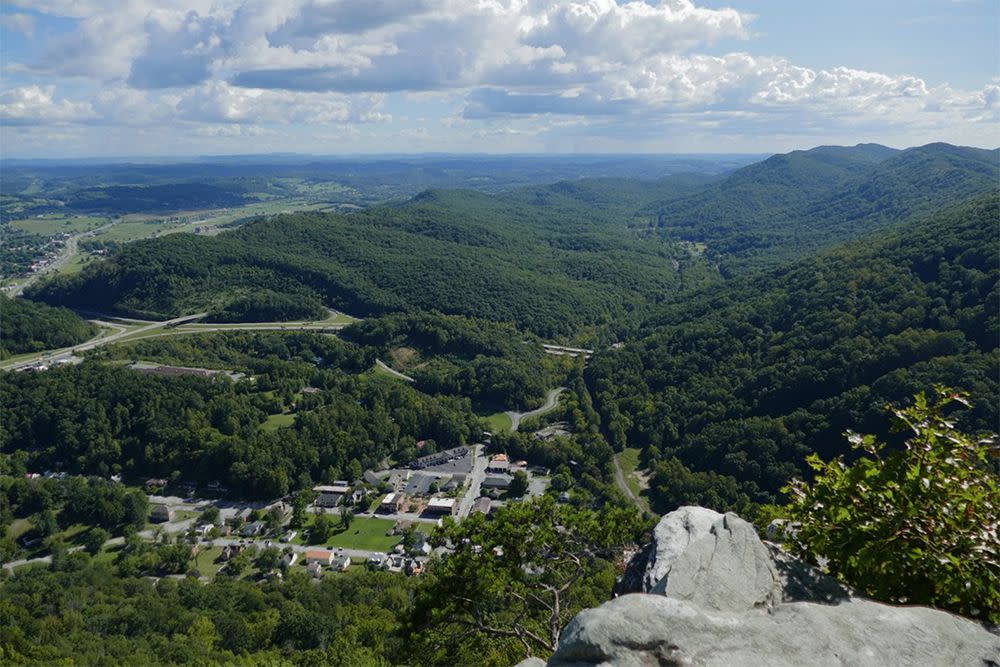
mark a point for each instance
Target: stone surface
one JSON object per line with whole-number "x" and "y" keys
{"x": 714, "y": 594}
{"x": 531, "y": 662}
{"x": 672, "y": 536}
{"x": 729, "y": 569}
{"x": 644, "y": 630}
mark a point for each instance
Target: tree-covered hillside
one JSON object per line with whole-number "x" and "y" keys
{"x": 746, "y": 379}
{"x": 791, "y": 205}
{"x": 26, "y": 326}
{"x": 550, "y": 267}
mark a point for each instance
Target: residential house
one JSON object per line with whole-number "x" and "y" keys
{"x": 497, "y": 482}
{"x": 499, "y": 465}
{"x": 291, "y": 558}
{"x": 414, "y": 567}
{"x": 457, "y": 481}
{"x": 253, "y": 529}
{"x": 321, "y": 556}
{"x": 341, "y": 563}
{"x": 371, "y": 478}
{"x": 315, "y": 569}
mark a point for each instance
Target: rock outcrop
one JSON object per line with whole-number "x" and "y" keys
{"x": 709, "y": 592}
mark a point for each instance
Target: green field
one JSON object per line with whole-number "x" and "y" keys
{"x": 499, "y": 421}
{"x": 57, "y": 224}
{"x": 274, "y": 422}
{"x": 629, "y": 460}
{"x": 365, "y": 534}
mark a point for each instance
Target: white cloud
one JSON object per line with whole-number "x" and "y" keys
{"x": 35, "y": 105}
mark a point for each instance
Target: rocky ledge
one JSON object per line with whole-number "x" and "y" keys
{"x": 709, "y": 592}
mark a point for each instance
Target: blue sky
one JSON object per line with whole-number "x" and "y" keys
{"x": 182, "y": 77}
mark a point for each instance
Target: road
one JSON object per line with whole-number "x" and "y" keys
{"x": 474, "y": 480}
{"x": 391, "y": 371}
{"x": 54, "y": 356}
{"x": 550, "y": 402}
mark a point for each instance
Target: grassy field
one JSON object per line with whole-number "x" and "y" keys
{"x": 629, "y": 460}
{"x": 499, "y": 421}
{"x": 56, "y": 223}
{"x": 365, "y": 534}
{"x": 205, "y": 563}
{"x": 274, "y": 422}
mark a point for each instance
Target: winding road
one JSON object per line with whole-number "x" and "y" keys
{"x": 550, "y": 402}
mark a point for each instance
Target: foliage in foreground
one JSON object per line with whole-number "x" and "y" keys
{"x": 916, "y": 526}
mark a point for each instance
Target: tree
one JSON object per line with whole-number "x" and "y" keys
{"x": 514, "y": 581}
{"x": 346, "y": 516}
{"x": 274, "y": 519}
{"x": 321, "y": 529}
{"x": 919, "y": 525}
{"x": 94, "y": 540}
{"x": 209, "y": 515}
{"x": 519, "y": 485}
{"x": 268, "y": 559}
{"x": 238, "y": 564}
{"x": 45, "y": 523}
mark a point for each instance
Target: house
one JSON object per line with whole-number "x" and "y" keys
{"x": 315, "y": 569}
{"x": 357, "y": 495}
{"x": 482, "y": 505}
{"x": 457, "y": 481}
{"x": 497, "y": 482}
{"x": 371, "y": 478}
{"x": 321, "y": 556}
{"x": 341, "y": 563}
{"x": 291, "y": 558}
{"x": 231, "y": 550}
{"x": 253, "y": 529}
{"x": 161, "y": 514}
{"x": 330, "y": 495}
{"x": 441, "y": 506}
{"x": 280, "y": 506}
{"x": 155, "y": 483}
{"x": 394, "y": 563}
{"x": 398, "y": 478}
{"x": 564, "y": 497}
{"x": 376, "y": 560}
{"x": 392, "y": 503}
{"x": 421, "y": 545}
{"x": 414, "y": 567}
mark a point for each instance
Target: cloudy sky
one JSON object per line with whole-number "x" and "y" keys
{"x": 173, "y": 77}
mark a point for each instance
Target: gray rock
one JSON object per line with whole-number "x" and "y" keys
{"x": 644, "y": 630}
{"x": 531, "y": 662}
{"x": 672, "y": 536}
{"x": 729, "y": 569}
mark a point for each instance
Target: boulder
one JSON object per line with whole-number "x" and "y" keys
{"x": 712, "y": 593}
{"x": 642, "y": 630}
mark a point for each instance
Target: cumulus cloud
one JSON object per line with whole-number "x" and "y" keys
{"x": 36, "y": 105}
{"x": 627, "y": 66}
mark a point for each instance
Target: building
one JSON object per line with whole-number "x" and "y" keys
{"x": 440, "y": 458}
{"x": 161, "y": 514}
{"x": 281, "y": 507}
{"x": 398, "y": 478}
{"x": 319, "y": 556}
{"x": 498, "y": 465}
{"x": 371, "y": 478}
{"x": 315, "y": 569}
{"x": 497, "y": 482}
{"x": 155, "y": 483}
{"x": 341, "y": 563}
{"x": 291, "y": 558}
{"x": 457, "y": 481}
{"x": 482, "y": 505}
{"x": 392, "y": 503}
{"x": 330, "y": 495}
{"x": 441, "y": 506}
{"x": 253, "y": 529}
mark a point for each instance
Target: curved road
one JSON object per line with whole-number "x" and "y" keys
{"x": 550, "y": 402}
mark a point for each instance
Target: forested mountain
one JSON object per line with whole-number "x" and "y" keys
{"x": 746, "y": 379}
{"x": 791, "y": 205}
{"x": 544, "y": 259}
{"x": 26, "y": 326}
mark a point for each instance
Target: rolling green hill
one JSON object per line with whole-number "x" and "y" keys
{"x": 552, "y": 267}
{"x": 26, "y": 326}
{"x": 744, "y": 380}
{"x": 791, "y": 205}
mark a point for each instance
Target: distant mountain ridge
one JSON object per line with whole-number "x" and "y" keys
{"x": 792, "y": 204}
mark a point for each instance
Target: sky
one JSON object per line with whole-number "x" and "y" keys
{"x": 109, "y": 78}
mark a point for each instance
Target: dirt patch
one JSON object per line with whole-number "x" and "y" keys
{"x": 403, "y": 358}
